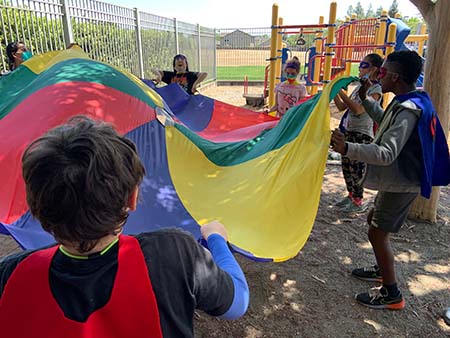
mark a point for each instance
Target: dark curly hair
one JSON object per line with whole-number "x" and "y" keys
{"x": 408, "y": 64}
{"x": 375, "y": 59}
{"x": 12, "y": 48}
{"x": 79, "y": 177}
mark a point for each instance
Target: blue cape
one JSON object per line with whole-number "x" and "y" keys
{"x": 436, "y": 158}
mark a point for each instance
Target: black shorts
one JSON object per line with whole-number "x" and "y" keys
{"x": 391, "y": 210}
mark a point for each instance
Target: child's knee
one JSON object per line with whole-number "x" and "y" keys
{"x": 377, "y": 236}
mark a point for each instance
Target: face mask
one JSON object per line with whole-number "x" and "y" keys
{"x": 27, "y": 55}
{"x": 291, "y": 78}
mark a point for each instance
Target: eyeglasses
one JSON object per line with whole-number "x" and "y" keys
{"x": 364, "y": 65}
{"x": 383, "y": 72}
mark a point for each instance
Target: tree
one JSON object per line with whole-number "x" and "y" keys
{"x": 370, "y": 12}
{"x": 437, "y": 82}
{"x": 393, "y": 9}
{"x": 379, "y": 11}
{"x": 359, "y": 10}
{"x": 350, "y": 11}
{"x": 413, "y": 22}
{"x": 291, "y": 41}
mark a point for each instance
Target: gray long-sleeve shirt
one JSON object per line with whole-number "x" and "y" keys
{"x": 394, "y": 158}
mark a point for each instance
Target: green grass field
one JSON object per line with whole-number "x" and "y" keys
{"x": 354, "y": 71}
{"x": 254, "y": 73}
{"x": 237, "y": 73}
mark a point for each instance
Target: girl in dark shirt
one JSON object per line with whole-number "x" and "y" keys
{"x": 186, "y": 79}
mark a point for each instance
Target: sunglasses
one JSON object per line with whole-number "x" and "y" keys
{"x": 383, "y": 72}
{"x": 364, "y": 65}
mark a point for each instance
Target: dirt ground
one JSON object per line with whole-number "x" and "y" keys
{"x": 312, "y": 295}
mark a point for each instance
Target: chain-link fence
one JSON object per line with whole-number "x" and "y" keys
{"x": 38, "y": 23}
{"x": 244, "y": 52}
{"x": 124, "y": 37}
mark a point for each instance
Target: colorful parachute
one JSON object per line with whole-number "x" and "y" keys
{"x": 258, "y": 176}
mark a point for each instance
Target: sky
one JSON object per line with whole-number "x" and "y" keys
{"x": 253, "y": 13}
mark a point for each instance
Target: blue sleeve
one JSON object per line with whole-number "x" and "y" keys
{"x": 226, "y": 261}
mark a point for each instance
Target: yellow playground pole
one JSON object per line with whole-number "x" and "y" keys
{"x": 346, "y": 41}
{"x": 279, "y": 46}
{"x": 330, "y": 42}
{"x": 419, "y": 38}
{"x": 382, "y": 31}
{"x": 273, "y": 54}
{"x": 423, "y": 31}
{"x": 391, "y": 38}
{"x": 350, "y": 41}
{"x": 317, "y": 61}
{"x": 387, "y": 97}
{"x": 377, "y": 34}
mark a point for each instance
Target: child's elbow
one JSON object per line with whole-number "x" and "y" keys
{"x": 240, "y": 302}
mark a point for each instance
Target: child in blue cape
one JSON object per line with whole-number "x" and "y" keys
{"x": 408, "y": 156}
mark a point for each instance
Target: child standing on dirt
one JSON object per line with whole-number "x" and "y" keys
{"x": 408, "y": 155}
{"x": 288, "y": 93}
{"x": 358, "y": 128}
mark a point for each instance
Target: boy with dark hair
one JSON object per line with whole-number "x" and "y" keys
{"x": 81, "y": 182}
{"x": 408, "y": 155}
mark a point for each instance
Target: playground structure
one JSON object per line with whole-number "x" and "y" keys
{"x": 334, "y": 54}
{"x": 256, "y": 100}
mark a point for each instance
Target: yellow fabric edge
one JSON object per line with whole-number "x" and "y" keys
{"x": 268, "y": 204}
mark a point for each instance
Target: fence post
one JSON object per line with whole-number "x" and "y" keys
{"x": 139, "y": 42}
{"x": 177, "y": 46}
{"x": 66, "y": 23}
{"x": 215, "y": 55}
{"x": 199, "y": 51}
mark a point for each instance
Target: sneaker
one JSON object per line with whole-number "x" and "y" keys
{"x": 354, "y": 208}
{"x": 370, "y": 274}
{"x": 379, "y": 299}
{"x": 344, "y": 202}
{"x": 446, "y": 316}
